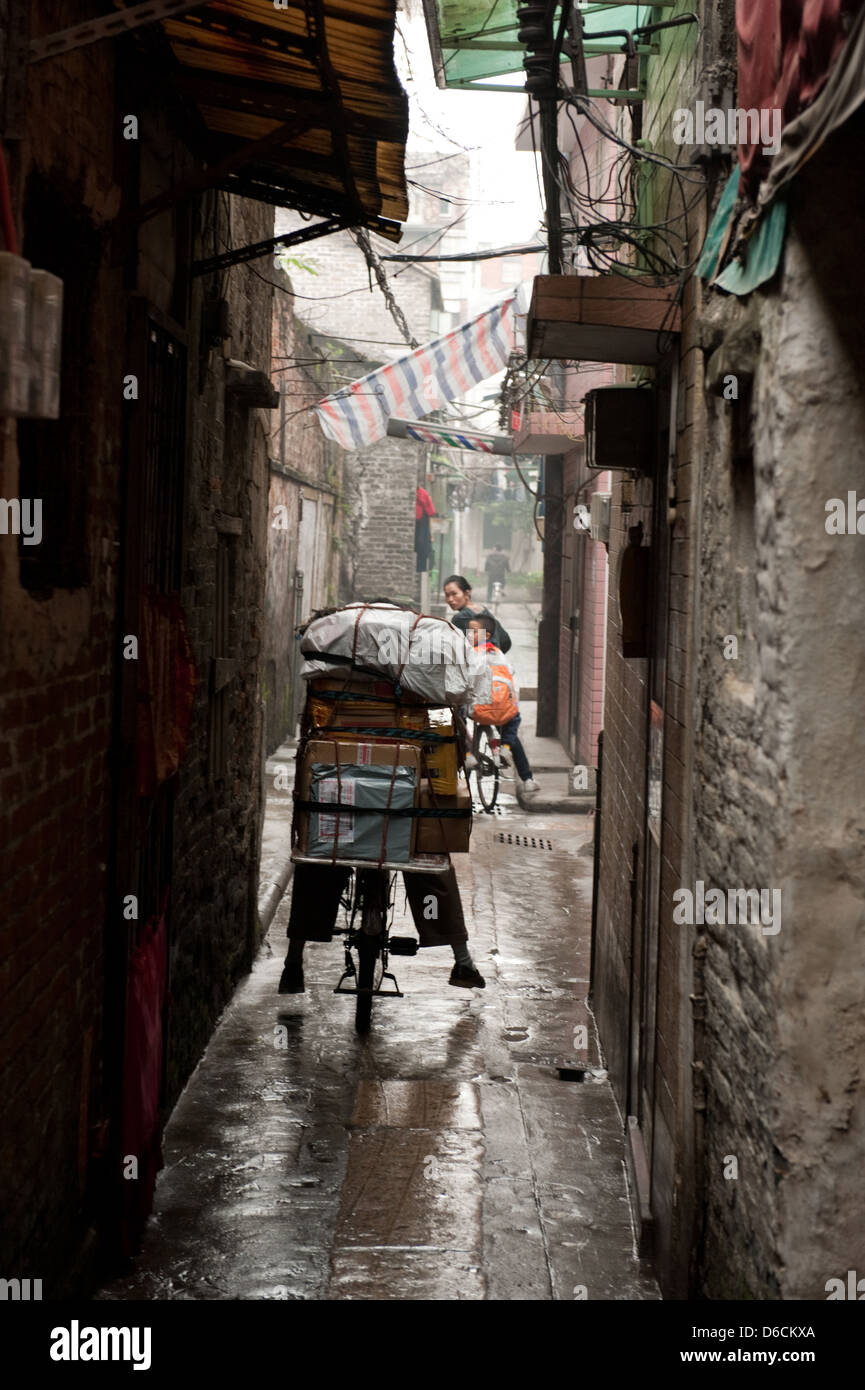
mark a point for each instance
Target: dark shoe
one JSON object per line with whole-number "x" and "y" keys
{"x": 467, "y": 977}
{"x": 291, "y": 979}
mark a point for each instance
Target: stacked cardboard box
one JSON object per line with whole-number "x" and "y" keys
{"x": 339, "y": 705}
{"x": 373, "y": 777}
{"x": 446, "y": 834}
{"x": 340, "y": 763}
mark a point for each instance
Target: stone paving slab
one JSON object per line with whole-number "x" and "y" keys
{"x": 442, "y": 1157}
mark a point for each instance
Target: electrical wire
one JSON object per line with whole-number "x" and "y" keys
{"x": 490, "y": 255}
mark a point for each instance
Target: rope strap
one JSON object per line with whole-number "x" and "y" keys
{"x": 401, "y": 735}
{"x": 424, "y": 812}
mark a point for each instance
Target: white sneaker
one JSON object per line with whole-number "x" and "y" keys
{"x": 471, "y": 762}
{"x": 529, "y": 788}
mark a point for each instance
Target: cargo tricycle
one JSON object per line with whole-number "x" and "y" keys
{"x": 381, "y": 787}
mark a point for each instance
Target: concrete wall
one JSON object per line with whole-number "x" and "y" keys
{"x": 754, "y": 1122}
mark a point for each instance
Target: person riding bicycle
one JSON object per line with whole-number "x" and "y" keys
{"x": 496, "y": 567}
{"x": 458, "y": 594}
{"x": 435, "y": 905}
{"x": 503, "y": 710}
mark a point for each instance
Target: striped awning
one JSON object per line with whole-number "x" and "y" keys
{"x": 422, "y": 380}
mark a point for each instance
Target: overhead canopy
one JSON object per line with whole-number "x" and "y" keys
{"x": 601, "y": 318}
{"x": 473, "y": 41}
{"x": 319, "y": 80}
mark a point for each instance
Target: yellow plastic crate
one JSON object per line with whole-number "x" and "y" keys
{"x": 440, "y": 759}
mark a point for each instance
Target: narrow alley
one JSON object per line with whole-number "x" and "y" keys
{"x": 469, "y": 1148}
{"x": 432, "y": 478}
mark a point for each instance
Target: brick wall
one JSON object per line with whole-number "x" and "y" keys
{"x": 383, "y": 480}
{"x": 334, "y": 296}
{"x": 214, "y": 922}
{"x": 592, "y": 648}
{"x": 758, "y": 778}
{"x": 56, "y": 648}
{"x": 642, "y": 955}
{"x": 622, "y": 807}
{"x": 60, "y": 656}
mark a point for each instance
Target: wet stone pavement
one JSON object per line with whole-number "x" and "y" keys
{"x": 440, "y": 1157}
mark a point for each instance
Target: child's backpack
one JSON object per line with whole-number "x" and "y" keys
{"x": 503, "y": 705}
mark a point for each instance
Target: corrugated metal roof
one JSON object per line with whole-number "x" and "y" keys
{"x": 250, "y": 68}
{"x": 475, "y": 40}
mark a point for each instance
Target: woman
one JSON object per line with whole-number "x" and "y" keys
{"x": 458, "y": 595}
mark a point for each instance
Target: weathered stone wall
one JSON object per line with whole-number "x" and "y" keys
{"x": 782, "y": 743}
{"x": 644, "y": 960}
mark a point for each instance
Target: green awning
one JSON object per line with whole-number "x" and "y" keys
{"x": 475, "y": 41}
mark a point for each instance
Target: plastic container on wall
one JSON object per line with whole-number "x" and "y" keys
{"x": 31, "y": 325}
{"x": 46, "y": 327}
{"x": 14, "y": 334}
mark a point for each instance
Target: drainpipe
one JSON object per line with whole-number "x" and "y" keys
{"x": 698, "y": 1101}
{"x": 633, "y": 1086}
{"x": 596, "y": 864}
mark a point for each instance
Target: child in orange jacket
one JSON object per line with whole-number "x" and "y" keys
{"x": 481, "y": 629}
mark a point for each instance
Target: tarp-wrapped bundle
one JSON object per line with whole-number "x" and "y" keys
{"x": 427, "y": 656}
{"x": 380, "y": 760}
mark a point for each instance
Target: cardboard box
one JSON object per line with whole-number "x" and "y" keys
{"x": 362, "y": 774}
{"x": 448, "y": 835}
{"x": 335, "y": 715}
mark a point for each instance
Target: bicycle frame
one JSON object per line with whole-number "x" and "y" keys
{"x": 371, "y": 910}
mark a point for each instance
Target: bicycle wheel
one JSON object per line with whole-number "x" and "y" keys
{"x": 487, "y": 770}
{"x": 373, "y": 888}
{"x": 367, "y": 952}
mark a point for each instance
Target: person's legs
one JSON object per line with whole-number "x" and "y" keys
{"x": 437, "y": 910}
{"x": 489, "y": 587}
{"x": 510, "y": 736}
{"x": 315, "y": 895}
